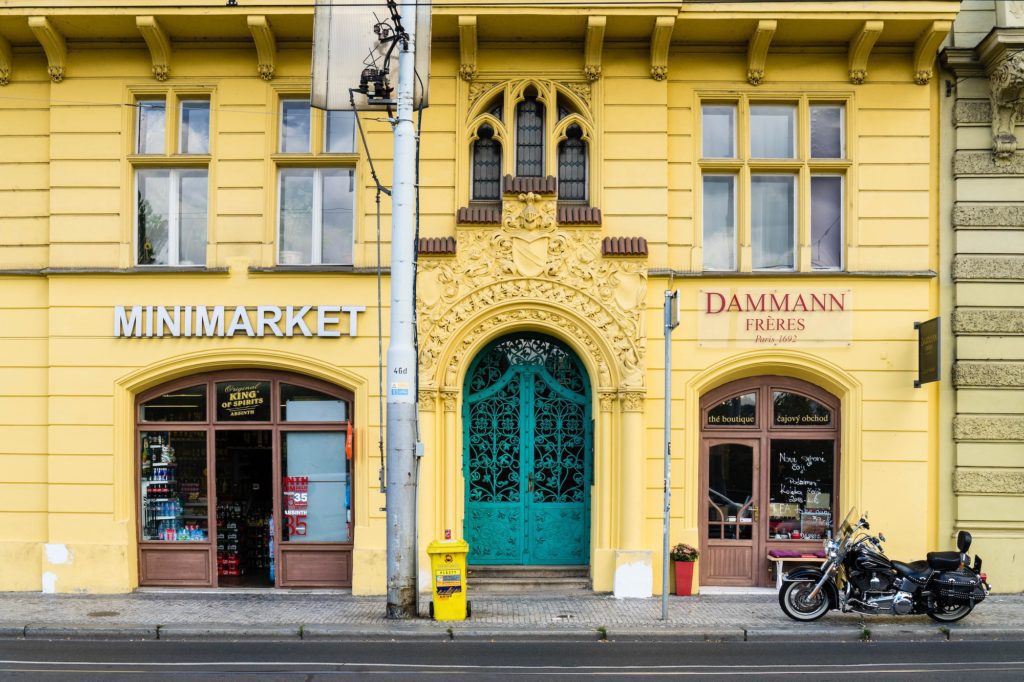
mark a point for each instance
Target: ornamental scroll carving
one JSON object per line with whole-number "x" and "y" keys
{"x": 557, "y": 277}
{"x": 1007, "y": 93}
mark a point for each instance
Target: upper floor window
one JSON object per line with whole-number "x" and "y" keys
{"x": 316, "y": 185}
{"x": 548, "y": 132}
{"x": 171, "y": 179}
{"x": 784, "y": 146}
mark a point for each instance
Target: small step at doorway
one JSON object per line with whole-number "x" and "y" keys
{"x": 528, "y": 579}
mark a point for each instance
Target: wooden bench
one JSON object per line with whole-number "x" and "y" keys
{"x": 781, "y": 561}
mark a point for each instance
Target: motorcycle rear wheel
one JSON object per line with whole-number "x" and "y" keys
{"x": 950, "y": 614}
{"x": 794, "y": 598}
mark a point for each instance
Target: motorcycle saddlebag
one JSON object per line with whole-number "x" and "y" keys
{"x": 954, "y": 588}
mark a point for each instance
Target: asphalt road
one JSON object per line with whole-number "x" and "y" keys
{"x": 411, "y": 660}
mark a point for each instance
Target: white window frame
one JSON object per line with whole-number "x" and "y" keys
{"x": 173, "y": 217}
{"x": 316, "y": 244}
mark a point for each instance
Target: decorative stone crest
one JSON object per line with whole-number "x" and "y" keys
{"x": 467, "y": 72}
{"x": 755, "y": 76}
{"x": 1007, "y": 94}
{"x": 659, "y": 73}
{"x": 161, "y": 72}
{"x": 858, "y": 76}
{"x": 554, "y": 274}
{"x": 592, "y": 72}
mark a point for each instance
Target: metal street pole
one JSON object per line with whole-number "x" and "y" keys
{"x": 401, "y": 379}
{"x": 671, "y": 322}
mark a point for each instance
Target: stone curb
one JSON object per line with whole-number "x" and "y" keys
{"x": 904, "y": 633}
{"x": 90, "y": 631}
{"x": 519, "y": 635}
{"x": 986, "y": 633}
{"x": 669, "y": 635}
{"x": 355, "y": 633}
{"x": 230, "y": 631}
{"x": 821, "y": 633}
{"x": 12, "y": 631}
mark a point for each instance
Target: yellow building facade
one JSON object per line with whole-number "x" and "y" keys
{"x": 188, "y": 258}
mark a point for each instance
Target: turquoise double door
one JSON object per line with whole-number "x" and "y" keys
{"x": 527, "y": 454}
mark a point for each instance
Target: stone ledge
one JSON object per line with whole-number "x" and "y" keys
{"x": 972, "y": 111}
{"x": 982, "y": 215}
{"x": 989, "y": 374}
{"x": 988, "y": 267}
{"x": 984, "y": 163}
{"x": 989, "y": 481}
{"x": 988, "y": 321}
{"x": 988, "y": 428}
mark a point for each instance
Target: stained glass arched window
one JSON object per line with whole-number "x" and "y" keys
{"x": 486, "y": 166}
{"x": 530, "y": 137}
{"x": 572, "y": 166}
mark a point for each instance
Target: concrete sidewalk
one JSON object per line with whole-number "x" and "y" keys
{"x": 275, "y": 615}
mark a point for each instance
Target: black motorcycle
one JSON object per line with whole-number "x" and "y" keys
{"x": 857, "y": 576}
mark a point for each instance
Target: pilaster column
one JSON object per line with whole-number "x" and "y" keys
{"x": 634, "y": 574}
{"x": 452, "y": 456}
{"x": 431, "y": 471}
{"x": 604, "y": 474}
{"x": 631, "y": 471}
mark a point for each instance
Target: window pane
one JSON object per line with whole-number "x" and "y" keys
{"x": 301, "y": 404}
{"x": 572, "y": 166}
{"x": 337, "y": 192}
{"x": 195, "y": 127}
{"x": 530, "y": 138}
{"x": 316, "y": 490}
{"x": 793, "y": 409}
{"x": 173, "y": 486}
{"x": 718, "y": 131}
{"x": 151, "y": 127}
{"x": 295, "y": 125}
{"x": 296, "y": 219}
{"x": 183, "y": 405}
{"x": 772, "y": 131}
{"x": 730, "y": 491}
{"x": 827, "y": 132}
{"x": 486, "y": 166}
{"x": 772, "y": 221}
{"x": 826, "y": 222}
{"x": 243, "y": 401}
{"x": 192, "y": 204}
{"x": 800, "y": 487}
{"x": 719, "y": 207}
{"x": 740, "y": 410}
{"x": 153, "y": 216}
{"x": 341, "y": 132}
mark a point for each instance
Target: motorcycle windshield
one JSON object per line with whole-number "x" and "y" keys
{"x": 846, "y": 526}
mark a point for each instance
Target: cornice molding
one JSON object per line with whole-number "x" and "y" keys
{"x": 860, "y": 50}
{"x": 54, "y": 45}
{"x": 266, "y": 45}
{"x": 757, "y": 50}
{"x": 158, "y": 43}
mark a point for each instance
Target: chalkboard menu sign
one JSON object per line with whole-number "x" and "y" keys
{"x": 801, "y": 483}
{"x": 244, "y": 401}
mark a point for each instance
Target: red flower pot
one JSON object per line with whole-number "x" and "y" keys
{"x": 684, "y": 578}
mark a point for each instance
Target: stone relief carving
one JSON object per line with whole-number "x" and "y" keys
{"x": 478, "y": 88}
{"x": 1007, "y": 94}
{"x": 428, "y": 401}
{"x": 582, "y": 90}
{"x": 467, "y": 71}
{"x": 449, "y": 399}
{"x": 632, "y": 401}
{"x": 530, "y": 259}
{"x": 607, "y": 402}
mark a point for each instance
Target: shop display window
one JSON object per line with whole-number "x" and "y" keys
{"x": 730, "y": 491}
{"x": 301, "y": 404}
{"x": 801, "y": 489}
{"x": 316, "y": 489}
{"x": 184, "y": 405}
{"x": 173, "y": 488}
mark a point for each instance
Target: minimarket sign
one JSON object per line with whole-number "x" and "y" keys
{"x": 157, "y": 321}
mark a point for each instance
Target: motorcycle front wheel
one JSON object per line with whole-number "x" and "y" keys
{"x": 796, "y": 602}
{"x": 950, "y": 614}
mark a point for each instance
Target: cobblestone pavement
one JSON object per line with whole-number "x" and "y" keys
{"x": 537, "y": 613}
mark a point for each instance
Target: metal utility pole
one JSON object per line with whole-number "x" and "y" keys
{"x": 671, "y": 322}
{"x": 402, "y": 361}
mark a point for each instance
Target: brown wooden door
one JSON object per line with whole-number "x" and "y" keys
{"x": 733, "y": 542}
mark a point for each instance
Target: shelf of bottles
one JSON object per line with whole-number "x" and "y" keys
{"x": 173, "y": 486}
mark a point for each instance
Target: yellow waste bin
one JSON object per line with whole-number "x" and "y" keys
{"x": 448, "y": 576}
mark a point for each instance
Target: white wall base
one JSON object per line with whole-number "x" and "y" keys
{"x": 634, "y": 574}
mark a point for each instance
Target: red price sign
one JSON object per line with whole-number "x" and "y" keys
{"x": 296, "y": 504}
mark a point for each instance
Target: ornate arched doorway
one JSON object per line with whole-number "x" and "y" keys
{"x": 769, "y": 471}
{"x": 527, "y": 453}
